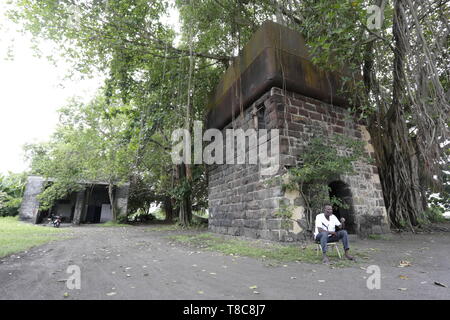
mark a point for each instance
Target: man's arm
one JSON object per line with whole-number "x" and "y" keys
{"x": 342, "y": 225}
{"x": 329, "y": 232}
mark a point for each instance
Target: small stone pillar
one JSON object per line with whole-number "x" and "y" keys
{"x": 121, "y": 199}
{"x": 29, "y": 208}
{"x": 79, "y": 207}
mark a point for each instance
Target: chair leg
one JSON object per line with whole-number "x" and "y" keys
{"x": 338, "y": 252}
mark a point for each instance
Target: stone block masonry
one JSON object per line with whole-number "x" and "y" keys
{"x": 244, "y": 202}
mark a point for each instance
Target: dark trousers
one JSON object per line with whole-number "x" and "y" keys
{"x": 323, "y": 238}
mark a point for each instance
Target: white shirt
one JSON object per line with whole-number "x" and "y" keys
{"x": 325, "y": 224}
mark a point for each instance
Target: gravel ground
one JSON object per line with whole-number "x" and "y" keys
{"x": 135, "y": 263}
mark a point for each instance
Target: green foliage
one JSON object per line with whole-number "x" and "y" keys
{"x": 435, "y": 214}
{"x": 159, "y": 214}
{"x": 122, "y": 219}
{"x": 141, "y": 216}
{"x": 88, "y": 145}
{"x": 441, "y": 200}
{"x": 12, "y": 188}
{"x": 322, "y": 161}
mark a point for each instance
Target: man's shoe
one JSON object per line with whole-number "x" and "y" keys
{"x": 325, "y": 259}
{"x": 349, "y": 257}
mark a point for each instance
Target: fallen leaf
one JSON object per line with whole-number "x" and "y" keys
{"x": 440, "y": 284}
{"x": 423, "y": 282}
{"x": 293, "y": 278}
{"x": 253, "y": 287}
{"x": 402, "y": 289}
{"x": 321, "y": 280}
{"x": 212, "y": 273}
{"x": 403, "y": 277}
{"x": 200, "y": 292}
{"x": 66, "y": 294}
{"x": 111, "y": 294}
{"x": 255, "y": 292}
{"x": 404, "y": 263}
{"x": 320, "y": 294}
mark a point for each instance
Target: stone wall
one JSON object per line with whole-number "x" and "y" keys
{"x": 29, "y": 209}
{"x": 242, "y": 201}
{"x": 121, "y": 199}
{"x": 30, "y": 205}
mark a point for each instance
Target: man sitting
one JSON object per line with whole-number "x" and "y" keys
{"x": 324, "y": 232}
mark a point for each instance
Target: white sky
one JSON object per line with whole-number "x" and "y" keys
{"x": 31, "y": 91}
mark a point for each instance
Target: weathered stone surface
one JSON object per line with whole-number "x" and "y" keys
{"x": 79, "y": 207}
{"x": 30, "y": 205}
{"x": 78, "y": 203}
{"x": 243, "y": 202}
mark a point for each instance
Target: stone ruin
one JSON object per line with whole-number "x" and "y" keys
{"x": 274, "y": 85}
{"x": 90, "y": 205}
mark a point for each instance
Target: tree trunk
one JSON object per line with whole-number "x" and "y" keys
{"x": 394, "y": 148}
{"x": 185, "y": 213}
{"x": 111, "y": 201}
{"x": 168, "y": 209}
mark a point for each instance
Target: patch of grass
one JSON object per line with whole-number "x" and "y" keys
{"x": 17, "y": 236}
{"x": 176, "y": 227}
{"x": 261, "y": 250}
{"x": 374, "y": 237}
{"x": 113, "y": 224}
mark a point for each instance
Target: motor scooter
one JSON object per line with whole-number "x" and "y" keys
{"x": 55, "y": 220}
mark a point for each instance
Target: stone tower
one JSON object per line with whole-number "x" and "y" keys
{"x": 274, "y": 85}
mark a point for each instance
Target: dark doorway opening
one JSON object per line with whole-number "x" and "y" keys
{"x": 93, "y": 214}
{"x": 342, "y": 191}
{"x": 97, "y": 197}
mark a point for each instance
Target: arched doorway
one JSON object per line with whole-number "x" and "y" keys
{"x": 342, "y": 191}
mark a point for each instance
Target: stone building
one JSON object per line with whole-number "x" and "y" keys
{"x": 274, "y": 85}
{"x": 90, "y": 205}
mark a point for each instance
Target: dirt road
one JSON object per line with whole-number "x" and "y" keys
{"x": 135, "y": 263}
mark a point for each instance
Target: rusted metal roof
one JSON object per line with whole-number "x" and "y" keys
{"x": 275, "y": 56}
